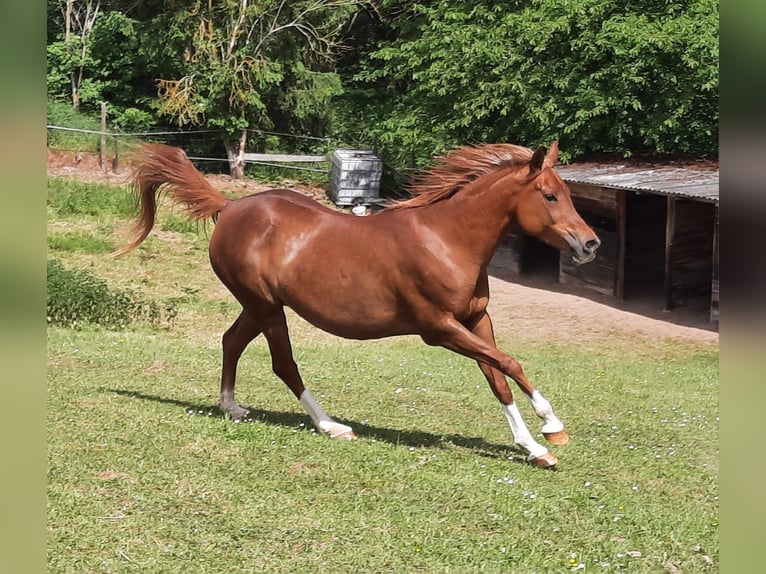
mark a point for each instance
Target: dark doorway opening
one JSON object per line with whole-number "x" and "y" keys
{"x": 645, "y": 227}
{"x": 539, "y": 259}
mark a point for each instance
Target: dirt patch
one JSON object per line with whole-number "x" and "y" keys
{"x": 85, "y": 166}
{"x": 531, "y": 308}
{"x": 545, "y": 311}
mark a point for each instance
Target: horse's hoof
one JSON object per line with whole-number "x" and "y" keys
{"x": 559, "y": 438}
{"x": 548, "y": 460}
{"x": 346, "y": 435}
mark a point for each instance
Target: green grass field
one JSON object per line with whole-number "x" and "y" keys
{"x": 145, "y": 476}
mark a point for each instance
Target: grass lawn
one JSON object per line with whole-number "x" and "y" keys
{"x": 145, "y": 476}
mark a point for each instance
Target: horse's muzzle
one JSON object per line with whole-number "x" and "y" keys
{"x": 585, "y": 252}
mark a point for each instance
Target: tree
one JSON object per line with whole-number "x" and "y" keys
{"x": 69, "y": 56}
{"x": 416, "y": 79}
{"x": 601, "y": 75}
{"x": 245, "y": 64}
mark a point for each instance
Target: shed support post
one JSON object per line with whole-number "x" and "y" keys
{"x": 670, "y": 231}
{"x": 622, "y": 226}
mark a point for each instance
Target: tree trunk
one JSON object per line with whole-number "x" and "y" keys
{"x": 67, "y": 38}
{"x": 75, "y": 93}
{"x": 235, "y": 152}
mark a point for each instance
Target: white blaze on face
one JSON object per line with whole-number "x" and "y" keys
{"x": 521, "y": 435}
{"x": 321, "y": 419}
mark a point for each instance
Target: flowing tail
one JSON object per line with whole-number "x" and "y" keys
{"x": 161, "y": 168}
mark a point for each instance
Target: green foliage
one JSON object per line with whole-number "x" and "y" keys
{"x": 58, "y": 70}
{"x": 601, "y": 76}
{"x": 105, "y": 61}
{"x": 79, "y": 241}
{"x": 255, "y": 65}
{"x": 132, "y": 119}
{"x": 62, "y": 114}
{"x": 114, "y": 45}
{"x": 75, "y": 298}
{"x": 179, "y": 224}
{"x": 65, "y": 59}
{"x": 417, "y": 79}
{"x": 69, "y": 197}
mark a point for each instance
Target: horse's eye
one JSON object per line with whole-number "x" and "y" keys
{"x": 550, "y": 197}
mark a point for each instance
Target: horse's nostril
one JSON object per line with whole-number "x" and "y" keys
{"x": 592, "y": 244}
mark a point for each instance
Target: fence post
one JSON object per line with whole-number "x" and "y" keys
{"x": 116, "y": 158}
{"x": 103, "y": 136}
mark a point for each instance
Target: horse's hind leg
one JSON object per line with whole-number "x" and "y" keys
{"x": 283, "y": 364}
{"x": 235, "y": 339}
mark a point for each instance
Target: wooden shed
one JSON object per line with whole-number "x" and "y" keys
{"x": 659, "y": 231}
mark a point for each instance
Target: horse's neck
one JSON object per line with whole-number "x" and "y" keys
{"x": 475, "y": 217}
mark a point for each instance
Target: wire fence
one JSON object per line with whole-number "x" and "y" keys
{"x": 393, "y": 183}
{"x": 276, "y": 162}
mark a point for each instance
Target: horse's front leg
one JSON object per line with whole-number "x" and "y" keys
{"x": 538, "y": 454}
{"x": 479, "y": 344}
{"x": 553, "y": 428}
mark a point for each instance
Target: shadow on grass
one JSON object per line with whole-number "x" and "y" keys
{"x": 393, "y": 436}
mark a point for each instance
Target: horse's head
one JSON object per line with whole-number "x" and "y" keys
{"x": 545, "y": 209}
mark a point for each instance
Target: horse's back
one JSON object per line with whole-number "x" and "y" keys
{"x": 276, "y": 230}
{"x": 288, "y": 218}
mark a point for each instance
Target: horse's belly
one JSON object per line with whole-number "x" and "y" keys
{"x": 352, "y": 316}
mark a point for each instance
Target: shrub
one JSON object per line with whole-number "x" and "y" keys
{"x": 76, "y": 298}
{"x": 64, "y": 115}
{"x": 69, "y": 197}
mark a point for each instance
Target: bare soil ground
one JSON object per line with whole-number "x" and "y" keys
{"x": 536, "y": 307}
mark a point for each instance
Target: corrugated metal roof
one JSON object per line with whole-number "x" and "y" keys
{"x": 666, "y": 180}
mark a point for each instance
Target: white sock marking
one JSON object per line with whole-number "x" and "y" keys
{"x": 544, "y": 410}
{"x": 321, "y": 419}
{"x": 521, "y": 435}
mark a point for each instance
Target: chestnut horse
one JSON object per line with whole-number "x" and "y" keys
{"x": 417, "y": 267}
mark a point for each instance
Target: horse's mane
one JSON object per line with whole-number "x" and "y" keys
{"x": 452, "y": 172}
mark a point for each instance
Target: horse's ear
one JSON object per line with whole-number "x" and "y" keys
{"x": 553, "y": 155}
{"x": 536, "y": 163}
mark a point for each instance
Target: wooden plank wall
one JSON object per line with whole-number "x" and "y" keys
{"x": 600, "y": 207}
{"x": 689, "y": 263}
{"x": 509, "y": 254}
{"x": 714, "y": 285}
